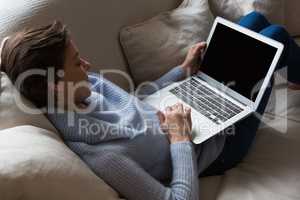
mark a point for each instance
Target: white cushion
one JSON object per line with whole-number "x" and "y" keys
{"x": 284, "y": 12}
{"x": 235, "y": 9}
{"x": 35, "y": 164}
{"x": 230, "y": 9}
{"x": 156, "y": 45}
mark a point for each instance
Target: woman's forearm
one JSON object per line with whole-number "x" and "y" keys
{"x": 184, "y": 183}
{"x": 174, "y": 75}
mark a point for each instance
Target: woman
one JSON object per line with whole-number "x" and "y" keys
{"x": 141, "y": 152}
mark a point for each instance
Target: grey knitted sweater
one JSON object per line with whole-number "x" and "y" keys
{"x": 121, "y": 141}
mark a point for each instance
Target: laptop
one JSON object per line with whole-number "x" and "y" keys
{"x": 236, "y": 69}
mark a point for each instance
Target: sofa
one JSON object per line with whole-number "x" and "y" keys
{"x": 36, "y": 164}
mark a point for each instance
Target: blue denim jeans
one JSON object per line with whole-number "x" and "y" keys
{"x": 238, "y": 145}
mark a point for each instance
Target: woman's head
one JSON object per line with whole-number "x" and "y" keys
{"x": 44, "y": 48}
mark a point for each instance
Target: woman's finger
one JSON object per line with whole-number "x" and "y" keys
{"x": 168, "y": 109}
{"x": 187, "y": 111}
{"x": 200, "y": 47}
{"x": 180, "y": 107}
{"x": 189, "y": 115}
{"x": 175, "y": 106}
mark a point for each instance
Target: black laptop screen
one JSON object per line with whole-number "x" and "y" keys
{"x": 235, "y": 59}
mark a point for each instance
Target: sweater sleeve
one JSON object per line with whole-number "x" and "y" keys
{"x": 76, "y": 127}
{"x": 147, "y": 88}
{"x": 134, "y": 183}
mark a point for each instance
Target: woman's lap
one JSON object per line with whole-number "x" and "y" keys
{"x": 238, "y": 144}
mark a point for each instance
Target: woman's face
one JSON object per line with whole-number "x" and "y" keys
{"x": 74, "y": 84}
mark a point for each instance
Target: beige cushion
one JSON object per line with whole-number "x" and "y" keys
{"x": 156, "y": 45}
{"x": 271, "y": 170}
{"x": 35, "y": 164}
{"x": 94, "y": 24}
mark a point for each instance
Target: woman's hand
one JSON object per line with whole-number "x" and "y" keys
{"x": 178, "y": 123}
{"x": 192, "y": 61}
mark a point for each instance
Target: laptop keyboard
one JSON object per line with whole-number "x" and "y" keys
{"x": 210, "y": 104}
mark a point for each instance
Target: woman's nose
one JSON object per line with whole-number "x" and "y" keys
{"x": 86, "y": 65}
